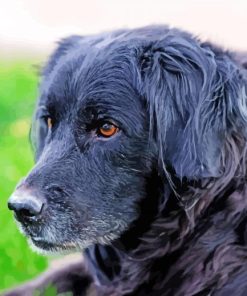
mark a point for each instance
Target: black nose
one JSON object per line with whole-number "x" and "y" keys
{"x": 25, "y": 204}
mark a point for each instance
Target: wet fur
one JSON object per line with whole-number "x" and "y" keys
{"x": 172, "y": 218}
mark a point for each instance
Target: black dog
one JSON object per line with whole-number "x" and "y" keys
{"x": 140, "y": 140}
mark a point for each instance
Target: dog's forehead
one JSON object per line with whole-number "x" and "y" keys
{"x": 98, "y": 59}
{"x": 100, "y": 75}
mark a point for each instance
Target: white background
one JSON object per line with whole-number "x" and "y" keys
{"x": 33, "y": 26}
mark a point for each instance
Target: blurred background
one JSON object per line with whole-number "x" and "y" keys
{"x": 29, "y": 30}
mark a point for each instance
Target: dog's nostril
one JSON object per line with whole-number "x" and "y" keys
{"x": 25, "y": 205}
{"x": 26, "y": 209}
{"x": 25, "y": 212}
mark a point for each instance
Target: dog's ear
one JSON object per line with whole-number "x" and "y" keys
{"x": 197, "y": 103}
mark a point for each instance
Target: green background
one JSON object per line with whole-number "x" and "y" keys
{"x": 18, "y": 90}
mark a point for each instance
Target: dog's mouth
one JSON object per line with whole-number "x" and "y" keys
{"x": 43, "y": 245}
{"x": 47, "y": 239}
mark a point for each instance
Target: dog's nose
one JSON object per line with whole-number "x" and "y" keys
{"x": 25, "y": 204}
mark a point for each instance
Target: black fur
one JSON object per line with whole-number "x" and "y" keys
{"x": 160, "y": 207}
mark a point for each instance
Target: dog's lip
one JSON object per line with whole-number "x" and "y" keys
{"x": 27, "y": 220}
{"x": 41, "y": 243}
{"x": 41, "y": 240}
{"x": 37, "y": 239}
{"x": 44, "y": 244}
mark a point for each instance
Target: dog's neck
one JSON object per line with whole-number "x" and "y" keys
{"x": 175, "y": 249}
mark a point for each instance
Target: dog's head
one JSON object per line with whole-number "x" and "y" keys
{"x": 114, "y": 111}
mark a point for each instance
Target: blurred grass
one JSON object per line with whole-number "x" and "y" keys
{"x": 18, "y": 90}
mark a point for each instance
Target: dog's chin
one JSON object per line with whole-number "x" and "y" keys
{"x": 48, "y": 242}
{"x": 45, "y": 247}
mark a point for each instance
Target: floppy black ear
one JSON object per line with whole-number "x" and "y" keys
{"x": 197, "y": 104}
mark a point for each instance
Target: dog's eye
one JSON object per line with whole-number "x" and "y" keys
{"x": 107, "y": 130}
{"x": 49, "y": 122}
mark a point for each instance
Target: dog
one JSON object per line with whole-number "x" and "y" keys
{"x": 140, "y": 141}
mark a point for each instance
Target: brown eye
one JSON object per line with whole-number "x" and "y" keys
{"x": 49, "y": 122}
{"x": 107, "y": 130}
